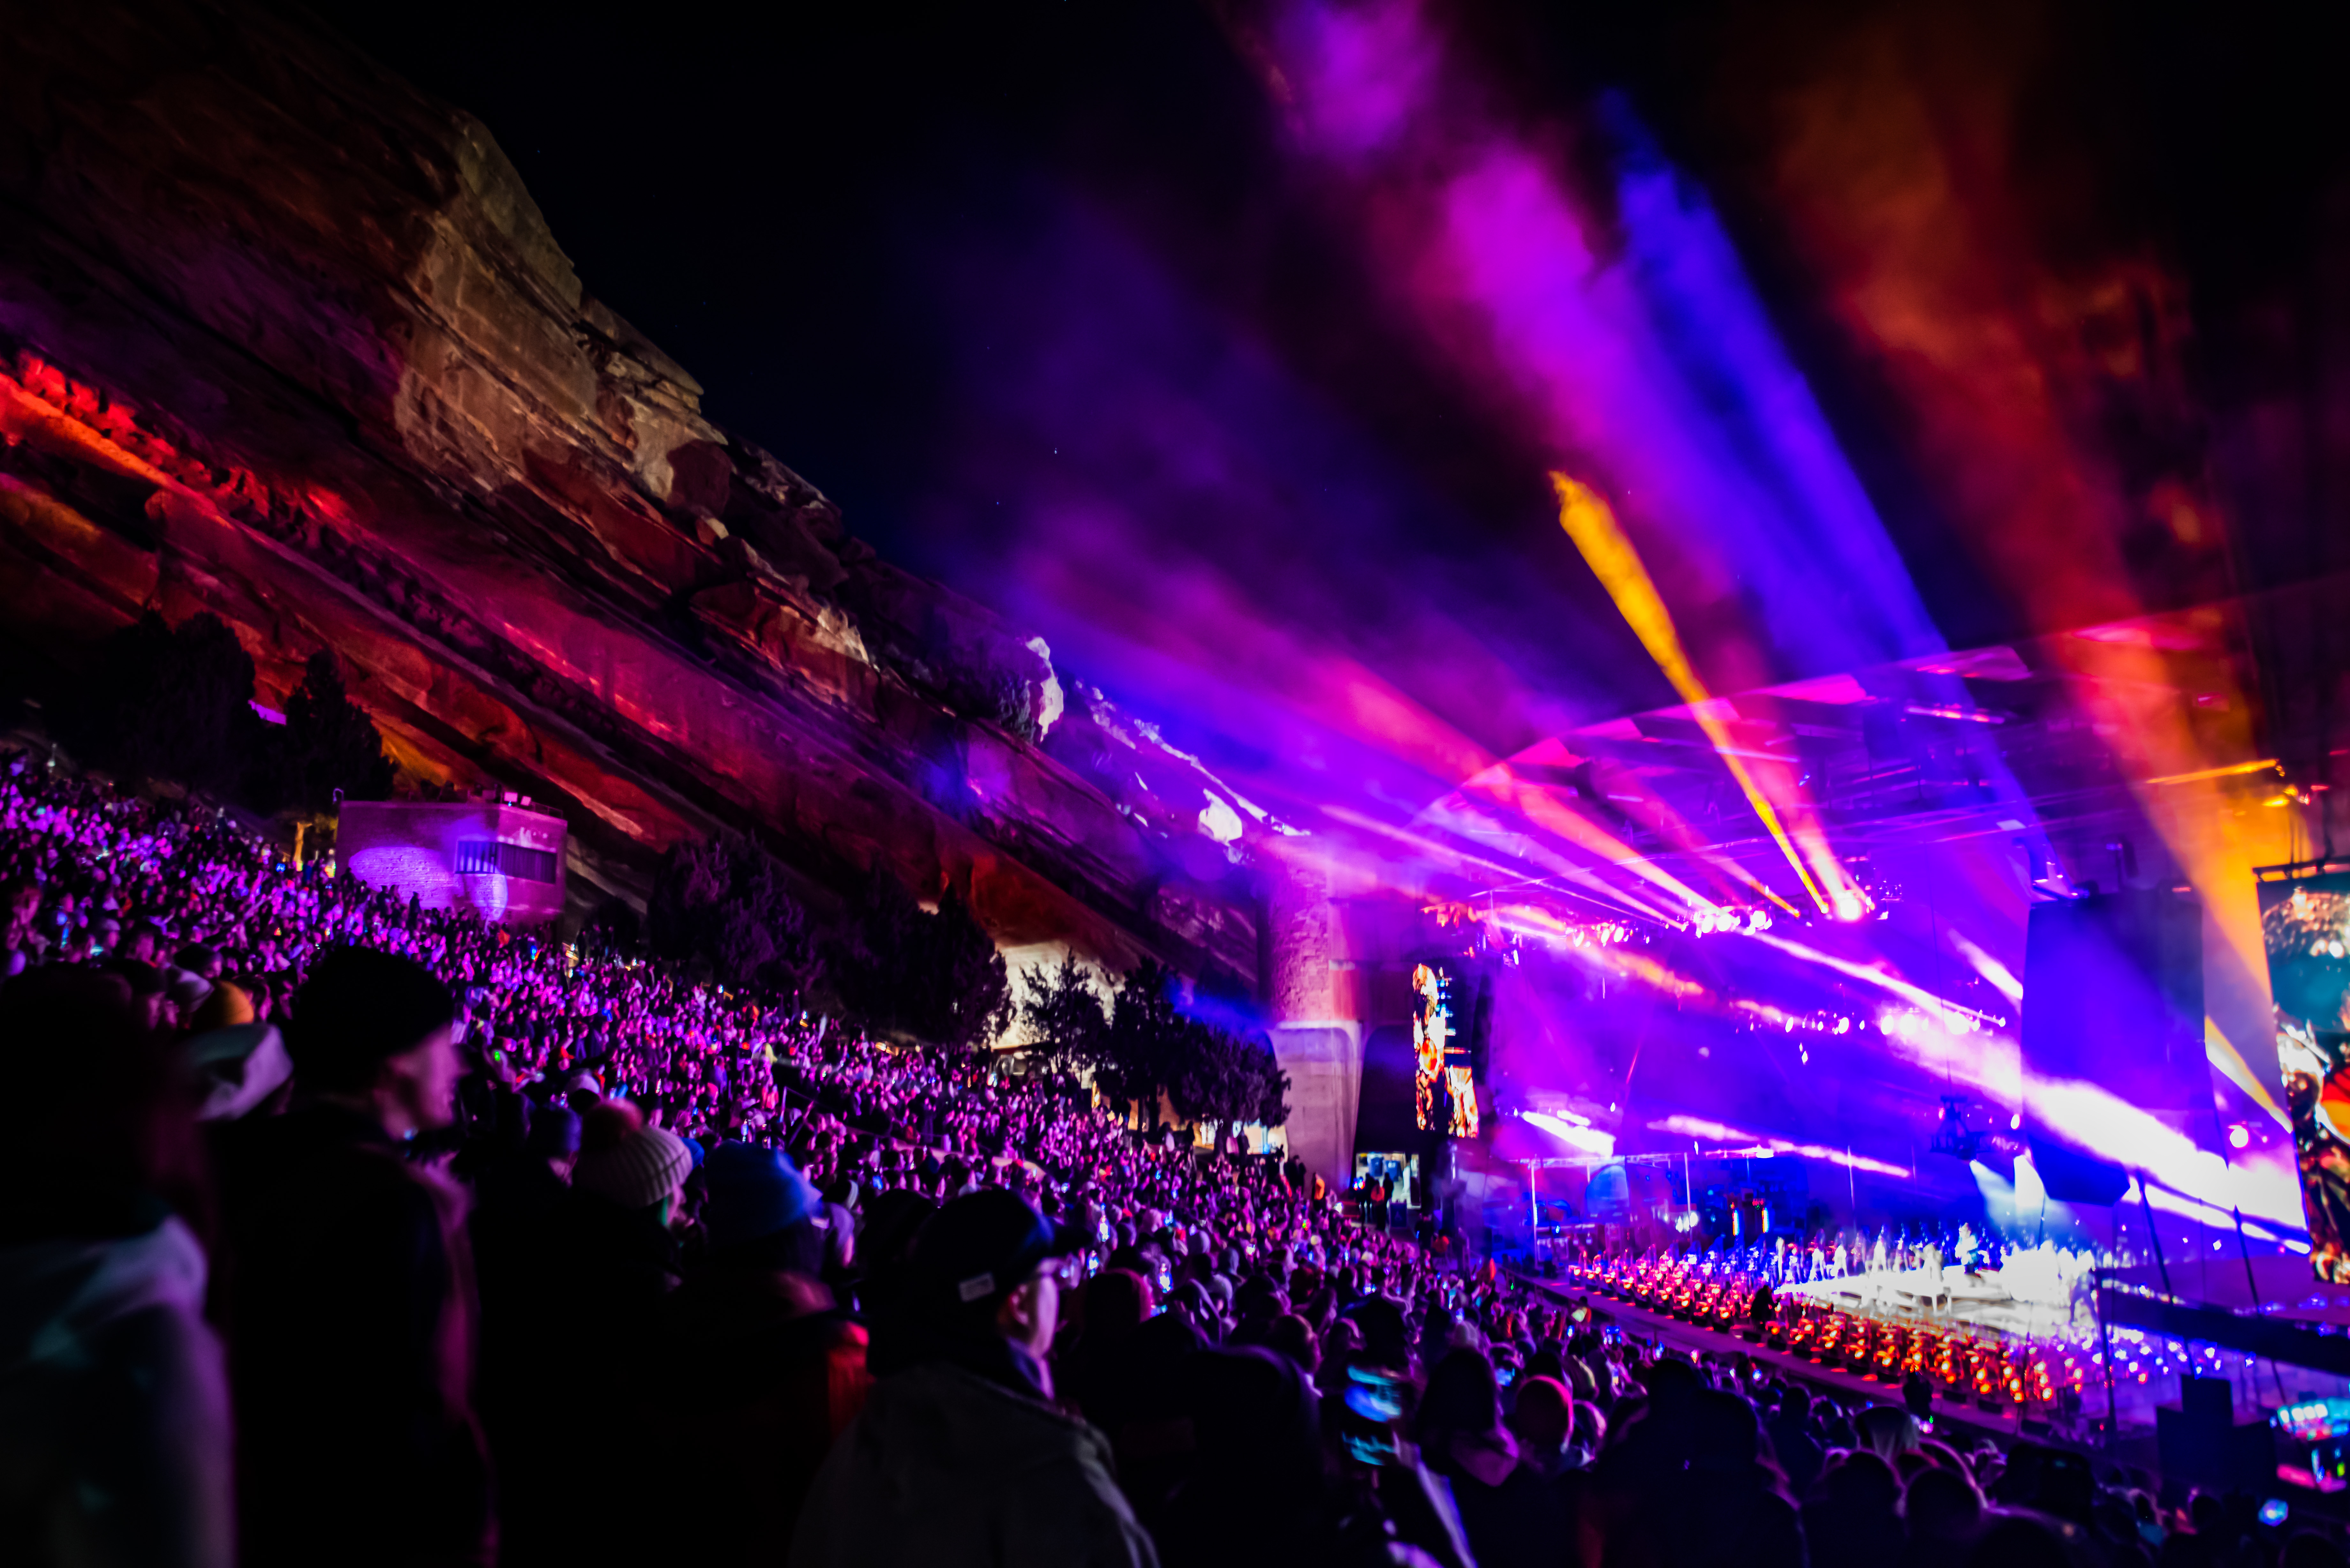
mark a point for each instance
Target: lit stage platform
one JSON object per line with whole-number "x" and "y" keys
{"x": 1956, "y": 1419}
{"x": 2019, "y": 1350}
{"x": 2040, "y": 1294}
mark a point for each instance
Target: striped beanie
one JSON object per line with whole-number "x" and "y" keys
{"x": 625, "y": 1162}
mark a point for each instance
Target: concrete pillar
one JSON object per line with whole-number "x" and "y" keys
{"x": 1324, "y": 1064}
{"x": 1317, "y": 1031}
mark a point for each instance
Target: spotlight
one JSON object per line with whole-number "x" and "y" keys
{"x": 2239, "y": 1135}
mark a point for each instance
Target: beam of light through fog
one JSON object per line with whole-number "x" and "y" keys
{"x": 1221, "y": 550}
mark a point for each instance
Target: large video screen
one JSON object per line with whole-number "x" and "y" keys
{"x": 1444, "y": 1080}
{"x": 2305, "y": 925}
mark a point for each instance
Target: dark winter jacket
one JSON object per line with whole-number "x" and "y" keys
{"x": 351, "y": 1350}
{"x": 948, "y": 1469}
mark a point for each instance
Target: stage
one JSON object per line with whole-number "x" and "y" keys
{"x": 2010, "y": 1423}
{"x": 2017, "y": 1351}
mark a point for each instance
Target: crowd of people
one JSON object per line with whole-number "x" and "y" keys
{"x": 338, "y": 1230}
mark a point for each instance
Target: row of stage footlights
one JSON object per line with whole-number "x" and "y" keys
{"x": 1964, "y": 1369}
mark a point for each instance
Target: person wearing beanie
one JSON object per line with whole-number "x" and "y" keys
{"x": 521, "y": 1196}
{"x": 628, "y": 1164}
{"x": 764, "y": 1370}
{"x": 962, "y": 1457}
{"x": 610, "y": 1263}
{"x": 350, "y": 1298}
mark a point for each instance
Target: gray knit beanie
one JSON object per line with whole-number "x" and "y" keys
{"x": 627, "y": 1162}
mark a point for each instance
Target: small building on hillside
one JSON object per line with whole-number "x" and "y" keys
{"x": 499, "y": 857}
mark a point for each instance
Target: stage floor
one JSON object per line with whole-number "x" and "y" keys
{"x": 1987, "y": 1303}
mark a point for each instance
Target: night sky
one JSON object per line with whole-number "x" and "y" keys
{"x": 1046, "y": 297}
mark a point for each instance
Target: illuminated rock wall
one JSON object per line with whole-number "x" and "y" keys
{"x": 284, "y": 339}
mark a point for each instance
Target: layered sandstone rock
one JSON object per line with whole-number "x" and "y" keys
{"x": 285, "y": 339}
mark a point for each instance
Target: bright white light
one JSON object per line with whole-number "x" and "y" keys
{"x": 1590, "y": 1140}
{"x": 1217, "y": 820}
{"x": 2001, "y": 978}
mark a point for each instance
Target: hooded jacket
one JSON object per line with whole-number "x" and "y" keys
{"x": 946, "y": 1468}
{"x": 114, "y": 1427}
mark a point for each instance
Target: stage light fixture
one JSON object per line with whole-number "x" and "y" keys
{"x": 1951, "y": 1134}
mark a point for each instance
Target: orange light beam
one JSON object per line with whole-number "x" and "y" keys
{"x": 1589, "y": 522}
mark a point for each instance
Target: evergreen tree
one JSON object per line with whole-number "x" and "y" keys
{"x": 167, "y": 703}
{"x": 613, "y": 926}
{"x": 903, "y": 971}
{"x": 1065, "y": 1017}
{"x": 1225, "y": 1079}
{"x": 726, "y": 902}
{"x": 1148, "y": 1034}
{"x": 328, "y": 743}
{"x": 970, "y": 997}
{"x": 1207, "y": 1072}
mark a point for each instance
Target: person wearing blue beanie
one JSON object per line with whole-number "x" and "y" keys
{"x": 753, "y": 1192}
{"x": 764, "y": 1368}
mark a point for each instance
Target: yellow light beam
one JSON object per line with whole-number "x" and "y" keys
{"x": 2199, "y": 774}
{"x": 1589, "y": 522}
{"x": 2224, "y": 1055}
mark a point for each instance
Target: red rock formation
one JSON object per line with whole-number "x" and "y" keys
{"x": 285, "y": 339}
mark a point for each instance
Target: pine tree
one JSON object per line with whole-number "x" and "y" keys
{"x": 726, "y": 902}
{"x": 1226, "y": 1079}
{"x": 328, "y": 743}
{"x": 167, "y": 703}
{"x": 903, "y": 971}
{"x": 613, "y": 926}
{"x": 1065, "y": 1017}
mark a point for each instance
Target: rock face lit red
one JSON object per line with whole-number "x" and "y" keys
{"x": 283, "y": 338}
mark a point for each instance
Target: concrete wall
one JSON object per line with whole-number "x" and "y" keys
{"x": 1317, "y": 1032}
{"x": 413, "y": 845}
{"x": 1324, "y": 1064}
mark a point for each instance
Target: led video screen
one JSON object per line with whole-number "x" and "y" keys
{"x": 1445, "y": 1081}
{"x": 2305, "y": 925}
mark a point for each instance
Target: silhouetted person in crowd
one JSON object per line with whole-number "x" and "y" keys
{"x": 962, "y": 1457}
{"x": 1542, "y": 1420}
{"x": 520, "y": 1189}
{"x": 1258, "y": 1476}
{"x": 114, "y": 1419}
{"x": 1942, "y": 1511}
{"x": 1886, "y": 1432}
{"x": 1850, "y": 1519}
{"x": 1098, "y": 1375}
{"x": 1735, "y": 1512}
{"x": 1794, "y": 1441}
{"x": 610, "y": 1262}
{"x": 762, "y": 1370}
{"x": 351, "y": 1309}
{"x": 1295, "y": 1337}
{"x": 1512, "y": 1516}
